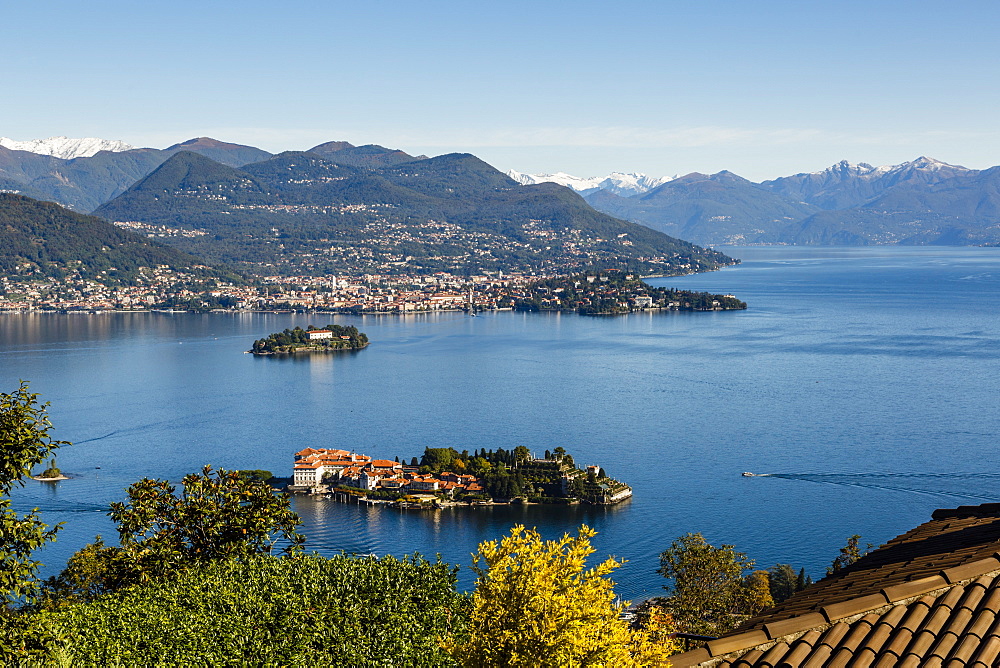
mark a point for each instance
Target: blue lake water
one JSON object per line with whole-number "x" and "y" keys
{"x": 864, "y": 380}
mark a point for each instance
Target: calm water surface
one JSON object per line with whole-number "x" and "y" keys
{"x": 865, "y": 381}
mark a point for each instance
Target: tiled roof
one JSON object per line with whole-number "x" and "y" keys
{"x": 928, "y": 597}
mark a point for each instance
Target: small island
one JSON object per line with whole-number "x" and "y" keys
{"x": 331, "y": 338}
{"x": 51, "y": 474}
{"x": 445, "y": 477}
{"x": 614, "y": 292}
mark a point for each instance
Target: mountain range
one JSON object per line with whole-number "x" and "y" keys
{"x": 82, "y": 174}
{"x": 618, "y": 183}
{"x": 340, "y": 208}
{"x": 924, "y": 201}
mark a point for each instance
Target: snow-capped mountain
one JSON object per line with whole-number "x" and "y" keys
{"x": 846, "y": 184}
{"x": 619, "y": 183}
{"x": 65, "y": 147}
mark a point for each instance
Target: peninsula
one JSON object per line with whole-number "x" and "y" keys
{"x": 614, "y": 292}
{"x": 446, "y": 477}
{"x": 311, "y": 340}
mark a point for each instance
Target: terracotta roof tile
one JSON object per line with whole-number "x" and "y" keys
{"x": 773, "y": 656}
{"x": 733, "y": 643}
{"x": 794, "y": 625}
{"x": 988, "y": 652}
{"x": 802, "y": 648}
{"x": 983, "y": 621}
{"x": 853, "y": 606}
{"x": 693, "y": 658}
{"x": 971, "y": 570}
{"x": 818, "y": 658}
{"x": 749, "y": 659}
{"x": 928, "y": 597}
{"x": 905, "y": 590}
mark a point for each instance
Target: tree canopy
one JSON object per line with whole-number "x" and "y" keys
{"x": 536, "y": 604}
{"x": 24, "y": 443}
{"x": 712, "y": 588}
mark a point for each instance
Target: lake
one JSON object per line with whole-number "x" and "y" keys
{"x": 864, "y": 381}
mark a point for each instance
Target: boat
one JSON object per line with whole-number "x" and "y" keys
{"x": 747, "y": 474}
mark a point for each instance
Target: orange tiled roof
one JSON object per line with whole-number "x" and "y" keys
{"x": 928, "y": 597}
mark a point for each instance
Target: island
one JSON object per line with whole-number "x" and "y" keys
{"x": 445, "y": 477}
{"x": 613, "y": 292}
{"x": 51, "y": 474}
{"x": 312, "y": 339}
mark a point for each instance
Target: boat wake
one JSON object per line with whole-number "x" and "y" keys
{"x": 925, "y": 484}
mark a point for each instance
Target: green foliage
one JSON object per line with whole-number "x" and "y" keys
{"x": 259, "y": 475}
{"x": 803, "y": 580}
{"x": 24, "y": 436}
{"x": 52, "y": 471}
{"x": 783, "y": 582}
{"x": 850, "y": 553}
{"x": 613, "y": 292}
{"x": 44, "y": 239}
{"x": 218, "y": 515}
{"x": 19, "y": 537}
{"x": 710, "y": 592}
{"x": 438, "y": 459}
{"x": 265, "y": 610}
{"x": 536, "y": 604}
{"x": 93, "y": 570}
{"x": 24, "y": 443}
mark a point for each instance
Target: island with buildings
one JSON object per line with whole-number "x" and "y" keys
{"x": 445, "y": 477}
{"x": 312, "y": 339}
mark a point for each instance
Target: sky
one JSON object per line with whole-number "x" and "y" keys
{"x": 764, "y": 89}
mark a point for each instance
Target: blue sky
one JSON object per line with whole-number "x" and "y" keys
{"x": 763, "y": 88}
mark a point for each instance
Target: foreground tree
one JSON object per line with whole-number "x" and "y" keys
{"x": 850, "y": 553}
{"x": 271, "y": 611}
{"x": 536, "y": 604}
{"x": 218, "y": 515}
{"x": 24, "y": 443}
{"x": 711, "y": 590}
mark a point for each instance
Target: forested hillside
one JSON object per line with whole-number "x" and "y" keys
{"x": 299, "y": 212}
{"x": 44, "y": 239}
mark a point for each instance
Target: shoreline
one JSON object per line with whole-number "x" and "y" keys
{"x": 309, "y": 350}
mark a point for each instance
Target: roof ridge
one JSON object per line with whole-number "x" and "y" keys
{"x": 983, "y": 510}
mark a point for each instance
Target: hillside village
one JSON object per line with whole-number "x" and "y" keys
{"x": 496, "y": 477}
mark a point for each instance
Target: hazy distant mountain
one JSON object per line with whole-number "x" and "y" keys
{"x": 370, "y": 155}
{"x": 234, "y": 155}
{"x": 845, "y": 185}
{"x": 65, "y": 147}
{"x": 302, "y": 212}
{"x": 961, "y": 210}
{"x": 618, "y": 183}
{"x": 44, "y": 239}
{"x": 721, "y": 208}
{"x": 923, "y": 201}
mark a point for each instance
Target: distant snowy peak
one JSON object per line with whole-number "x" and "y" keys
{"x": 619, "y": 183}
{"x": 863, "y": 169}
{"x": 66, "y": 147}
